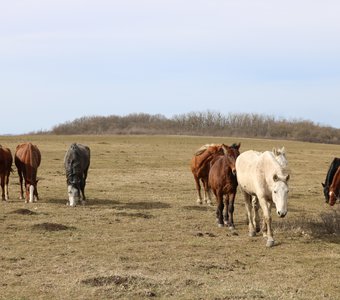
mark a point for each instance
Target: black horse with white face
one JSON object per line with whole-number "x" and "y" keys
{"x": 76, "y": 162}
{"x": 329, "y": 178}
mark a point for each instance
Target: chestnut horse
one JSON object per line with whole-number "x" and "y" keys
{"x": 6, "y": 161}
{"x": 334, "y": 189}
{"x": 27, "y": 161}
{"x": 200, "y": 166}
{"x": 223, "y": 181}
{"x": 329, "y": 178}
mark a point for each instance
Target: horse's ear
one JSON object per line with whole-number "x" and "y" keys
{"x": 225, "y": 148}
{"x": 287, "y": 177}
{"x": 275, "y": 178}
{"x": 283, "y": 150}
{"x": 238, "y": 146}
{"x": 323, "y": 185}
{"x": 275, "y": 151}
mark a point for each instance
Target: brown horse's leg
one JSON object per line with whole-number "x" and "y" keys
{"x": 20, "y": 182}
{"x": 219, "y": 210}
{"x": 207, "y": 194}
{"x": 198, "y": 189}
{"x": 3, "y": 186}
{"x": 230, "y": 211}
{"x": 256, "y": 217}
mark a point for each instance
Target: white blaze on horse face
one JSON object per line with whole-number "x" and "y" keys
{"x": 31, "y": 193}
{"x": 73, "y": 195}
{"x": 280, "y": 197}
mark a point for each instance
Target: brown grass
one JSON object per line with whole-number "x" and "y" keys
{"x": 142, "y": 236}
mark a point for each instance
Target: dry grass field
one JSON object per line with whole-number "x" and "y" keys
{"x": 143, "y": 236}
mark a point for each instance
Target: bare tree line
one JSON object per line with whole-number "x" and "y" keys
{"x": 203, "y": 123}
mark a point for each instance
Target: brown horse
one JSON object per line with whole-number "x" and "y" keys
{"x": 223, "y": 181}
{"x": 334, "y": 189}
{"x": 6, "y": 161}
{"x": 27, "y": 161}
{"x": 200, "y": 166}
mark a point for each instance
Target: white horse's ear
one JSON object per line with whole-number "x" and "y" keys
{"x": 275, "y": 151}
{"x": 275, "y": 178}
{"x": 283, "y": 150}
{"x": 287, "y": 177}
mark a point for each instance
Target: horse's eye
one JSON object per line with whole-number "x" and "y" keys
{"x": 275, "y": 192}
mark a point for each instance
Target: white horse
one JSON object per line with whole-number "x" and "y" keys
{"x": 261, "y": 177}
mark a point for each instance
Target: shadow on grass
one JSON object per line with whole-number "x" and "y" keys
{"x": 198, "y": 208}
{"x": 144, "y": 205}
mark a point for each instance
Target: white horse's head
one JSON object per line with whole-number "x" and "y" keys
{"x": 73, "y": 195}
{"x": 280, "y": 194}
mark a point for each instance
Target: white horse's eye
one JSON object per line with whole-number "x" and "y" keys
{"x": 275, "y": 192}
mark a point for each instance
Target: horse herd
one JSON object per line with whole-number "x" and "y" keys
{"x": 263, "y": 180}
{"x": 27, "y": 159}
{"x": 261, "y": 176}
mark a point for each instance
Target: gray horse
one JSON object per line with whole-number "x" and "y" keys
{"x": 76, "y": 162}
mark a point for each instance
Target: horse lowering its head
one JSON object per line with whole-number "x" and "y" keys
{"x": 329, "y": 177}
{"x": 27, "y": 161}
{"x": 334, "y": 189}
{"x": 6, "y": 161}
{"x": 76, "y": 163}
{"x": 222, "y": 181}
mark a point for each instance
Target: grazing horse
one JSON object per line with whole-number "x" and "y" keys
{"x": 200, "y": 166}
{"x": 334, "y": 189}
{"x": 6, "y": 161}
{"x": 329, "y": 178}
{"x": 76, "y": 163}
{"x": 222, "y": 181}
{"x": 260, "y": 174}
{"x": 27, "y": 160}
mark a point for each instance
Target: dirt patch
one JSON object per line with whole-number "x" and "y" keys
{"x": 51, "y": 227}
{"x": 23, "y": 211}
{"x": 107, "y": 280}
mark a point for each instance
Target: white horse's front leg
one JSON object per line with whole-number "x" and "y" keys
{"x": 267, "y": 221}
{"x": 249, "y": 207}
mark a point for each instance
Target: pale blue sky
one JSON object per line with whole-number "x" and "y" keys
{"x": 64, "y": 59}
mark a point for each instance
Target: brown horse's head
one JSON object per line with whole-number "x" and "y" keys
{"x": 332, "y": 197}
{"x": 231, "y": 153}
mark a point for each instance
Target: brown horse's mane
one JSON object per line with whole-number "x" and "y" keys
{"x": 205, "y": 147}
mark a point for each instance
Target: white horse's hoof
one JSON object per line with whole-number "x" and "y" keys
{"x": 252, "y": 234}
{"x": 199, "y": 202}
{"x": 231, "y": 228}
{"x": 220, "y": 225}
{"x": 270, "y": 243}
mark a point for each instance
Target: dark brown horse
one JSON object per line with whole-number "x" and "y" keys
{"x": 223, "y": 181}
{"x": 334, "y": 189}
{"x": 27, "y": 161}
{"x": 6, "y": 161}
{"x": 200, "y": 166}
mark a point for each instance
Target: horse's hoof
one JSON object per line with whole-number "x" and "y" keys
{"x": 270, "y": 243}
{"x": 220, "y": 225}
{"x": 252, "y": 234}
{"x": 199, "y": 202}
{"x": 231, "y": 228}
